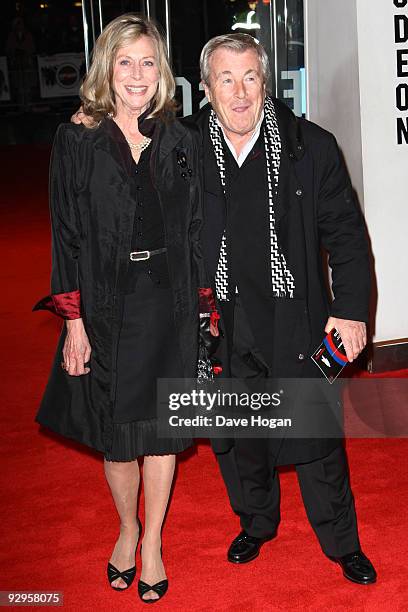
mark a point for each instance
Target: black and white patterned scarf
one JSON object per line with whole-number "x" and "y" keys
{"x": 283, "y": 284}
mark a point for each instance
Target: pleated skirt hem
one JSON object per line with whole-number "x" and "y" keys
{"x": 139, "y": 438}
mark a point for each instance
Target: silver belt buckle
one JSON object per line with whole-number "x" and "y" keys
{"x": 139, "y": 255}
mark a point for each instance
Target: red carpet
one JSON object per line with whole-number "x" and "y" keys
{"x": 58, "y": 521}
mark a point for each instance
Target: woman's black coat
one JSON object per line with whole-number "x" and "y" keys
{"x": 92, "y": 211}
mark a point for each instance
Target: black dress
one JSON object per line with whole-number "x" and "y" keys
{"x": 148, "y": 343}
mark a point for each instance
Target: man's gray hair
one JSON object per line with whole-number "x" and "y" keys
{"x": 235, "y": 42}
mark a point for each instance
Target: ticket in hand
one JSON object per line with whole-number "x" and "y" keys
{"x": 330, "y": 356}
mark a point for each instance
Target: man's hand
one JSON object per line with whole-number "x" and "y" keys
{"x": 77, "y": 350}
{"x": 353, "y": 335}
{"x": 80, "y": 117}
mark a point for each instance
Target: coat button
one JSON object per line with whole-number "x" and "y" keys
{"x": 299, "y": 192}
{"x": 299, "y": 147}
{"x": 301, "y": 356}
{"x": 291, "y": 155}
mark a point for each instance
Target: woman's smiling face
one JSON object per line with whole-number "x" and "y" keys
{"x": 135, "y": 76}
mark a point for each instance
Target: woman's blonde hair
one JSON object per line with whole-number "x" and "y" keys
{"x": 96, "y": 93}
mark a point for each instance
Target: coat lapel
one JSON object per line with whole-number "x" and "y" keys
{"x": 112, "y": 140}
{"x": 292, "y": 150}
{"x": 283, "y": 198}
{"x": 212, "y": 181}
{"x": 171, "y": 134}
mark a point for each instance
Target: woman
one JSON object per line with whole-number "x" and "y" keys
{"x": 125, "y": 208}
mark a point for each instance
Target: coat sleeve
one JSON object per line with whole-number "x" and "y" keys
{"x": 205, "y": 292}
{"x": 342, "y": 233}
{"x": 65, "y": 298}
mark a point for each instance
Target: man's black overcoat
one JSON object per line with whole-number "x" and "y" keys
{"x": 314, "y": 208}
{"x": 92, "y": 211}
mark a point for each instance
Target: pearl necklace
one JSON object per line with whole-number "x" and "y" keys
{"x": 140, "y": 146}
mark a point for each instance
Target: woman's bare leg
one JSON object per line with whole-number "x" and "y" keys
{"x": 123, "y": 479}
{"x": 158, "y": 472}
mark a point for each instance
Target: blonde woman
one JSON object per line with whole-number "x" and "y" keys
{"x": 125, "y": 207}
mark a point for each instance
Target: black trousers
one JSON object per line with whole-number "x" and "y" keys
{"x": 252, "y": 481}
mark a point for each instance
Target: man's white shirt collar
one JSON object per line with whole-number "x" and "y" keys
{"x": 248, "y": 147}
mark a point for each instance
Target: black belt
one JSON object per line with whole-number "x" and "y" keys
{"x": 143, "y": 255}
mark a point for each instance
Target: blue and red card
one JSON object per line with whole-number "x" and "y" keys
{"x": 330, "y": 356}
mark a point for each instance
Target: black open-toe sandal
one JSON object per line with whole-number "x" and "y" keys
{"x": 160, "y": 588}
{"x": 127, "y": 576}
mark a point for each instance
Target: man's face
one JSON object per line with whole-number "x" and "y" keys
{"x": 236, "y": 90}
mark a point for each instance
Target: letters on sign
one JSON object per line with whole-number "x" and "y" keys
{"x": 401, "y": 69}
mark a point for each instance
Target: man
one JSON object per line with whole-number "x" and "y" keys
{"x": 275, "y": 191}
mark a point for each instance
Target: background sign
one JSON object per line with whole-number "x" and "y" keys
{"x": 60, "y": 75}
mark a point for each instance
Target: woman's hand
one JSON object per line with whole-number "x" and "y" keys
{"x": 214, "y": 318}
{"x": 214, "y": 331}
{"x": 77, "y": 350}
{"x": 209, "y": 332}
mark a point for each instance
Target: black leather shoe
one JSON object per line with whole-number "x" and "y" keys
{"x": 357, "y": 568}
{"x": 244, "y": 548}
